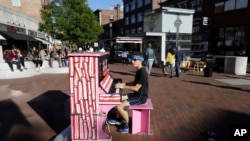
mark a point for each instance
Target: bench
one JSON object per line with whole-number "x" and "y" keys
{"x": 141, "y": 117}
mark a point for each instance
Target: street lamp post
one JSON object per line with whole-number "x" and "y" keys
{"x": 110, "y": 33}
{"x": 177, "y": 25}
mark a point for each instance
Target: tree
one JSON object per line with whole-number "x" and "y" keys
{"x": 70, "y": 20}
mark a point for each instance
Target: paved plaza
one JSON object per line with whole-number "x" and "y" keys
{"x": 183, "y": 107}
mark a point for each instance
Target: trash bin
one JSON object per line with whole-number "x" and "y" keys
{"x": 208, "y": 71}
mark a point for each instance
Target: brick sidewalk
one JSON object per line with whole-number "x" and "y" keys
{"x": 183, "y": 107}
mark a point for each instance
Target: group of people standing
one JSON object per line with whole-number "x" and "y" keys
{"x": 174, "y": 57}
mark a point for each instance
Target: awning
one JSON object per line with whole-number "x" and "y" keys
{"x": 43, "y": 41}
{"x": 128, "y": 40}
{"x": 2, "y": 38}
{"x": 16, "y": 36}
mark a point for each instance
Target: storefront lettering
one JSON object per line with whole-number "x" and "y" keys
{"x": 197, "y": 38}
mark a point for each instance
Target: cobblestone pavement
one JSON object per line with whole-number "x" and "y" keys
{"x": 183, "y": 107}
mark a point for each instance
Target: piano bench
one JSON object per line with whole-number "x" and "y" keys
{"x": 141, "y": 117}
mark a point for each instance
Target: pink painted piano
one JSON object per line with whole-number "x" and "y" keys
{"x": 92, "y": 95}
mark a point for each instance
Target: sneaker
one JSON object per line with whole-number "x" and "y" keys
{"x": 114, "y": 122}
{"x": 124, "y": 129}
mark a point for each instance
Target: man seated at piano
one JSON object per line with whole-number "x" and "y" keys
{"x": 139, "y": 95}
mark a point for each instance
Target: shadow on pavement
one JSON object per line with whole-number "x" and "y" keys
{"x": 225, "y": 87}
{"x": 50, "y": 106}
{"x": 10, "y": 116}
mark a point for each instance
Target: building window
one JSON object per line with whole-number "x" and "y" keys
{"x": 126, "y": 21}
{"x": 197, "y": 5}
{"x": 230, "y": 37}
{"x": 241, "y": 4}
{"x": 132, "y": 19}
{"x": 139, "y": 30}
{"x": 147, "y": 2}
{"x": 229, "y": 5}
{"x": 132, "y": 5}
{"x": 235, "y": 4}
{"x": 133, "y": 31}
{"x": 127, "y": 7}
{"x": 16, "y": 2}
{"x": 139, "y": 17}
{"x": 219, "y": 7}
{"x": 139, "y": 3}
{"x": 126, "y": 32}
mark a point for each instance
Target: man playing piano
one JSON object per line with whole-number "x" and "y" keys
{"x": 139, "y": 95}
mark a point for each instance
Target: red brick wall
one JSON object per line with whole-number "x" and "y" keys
{"x": 30, "y": 8}
{"x": 105, "y": 15}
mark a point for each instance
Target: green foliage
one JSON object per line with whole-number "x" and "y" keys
{"x": 70, "y": 20}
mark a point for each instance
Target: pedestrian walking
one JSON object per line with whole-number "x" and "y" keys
{"x": 170, "y": 61}
{"x": 150, "y": 58}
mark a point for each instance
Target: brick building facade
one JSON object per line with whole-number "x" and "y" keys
{"x": 19, "y": 23}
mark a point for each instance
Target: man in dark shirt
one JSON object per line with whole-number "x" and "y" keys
{"x": 139, "y": 96}
{"x": 178, "y": 60}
